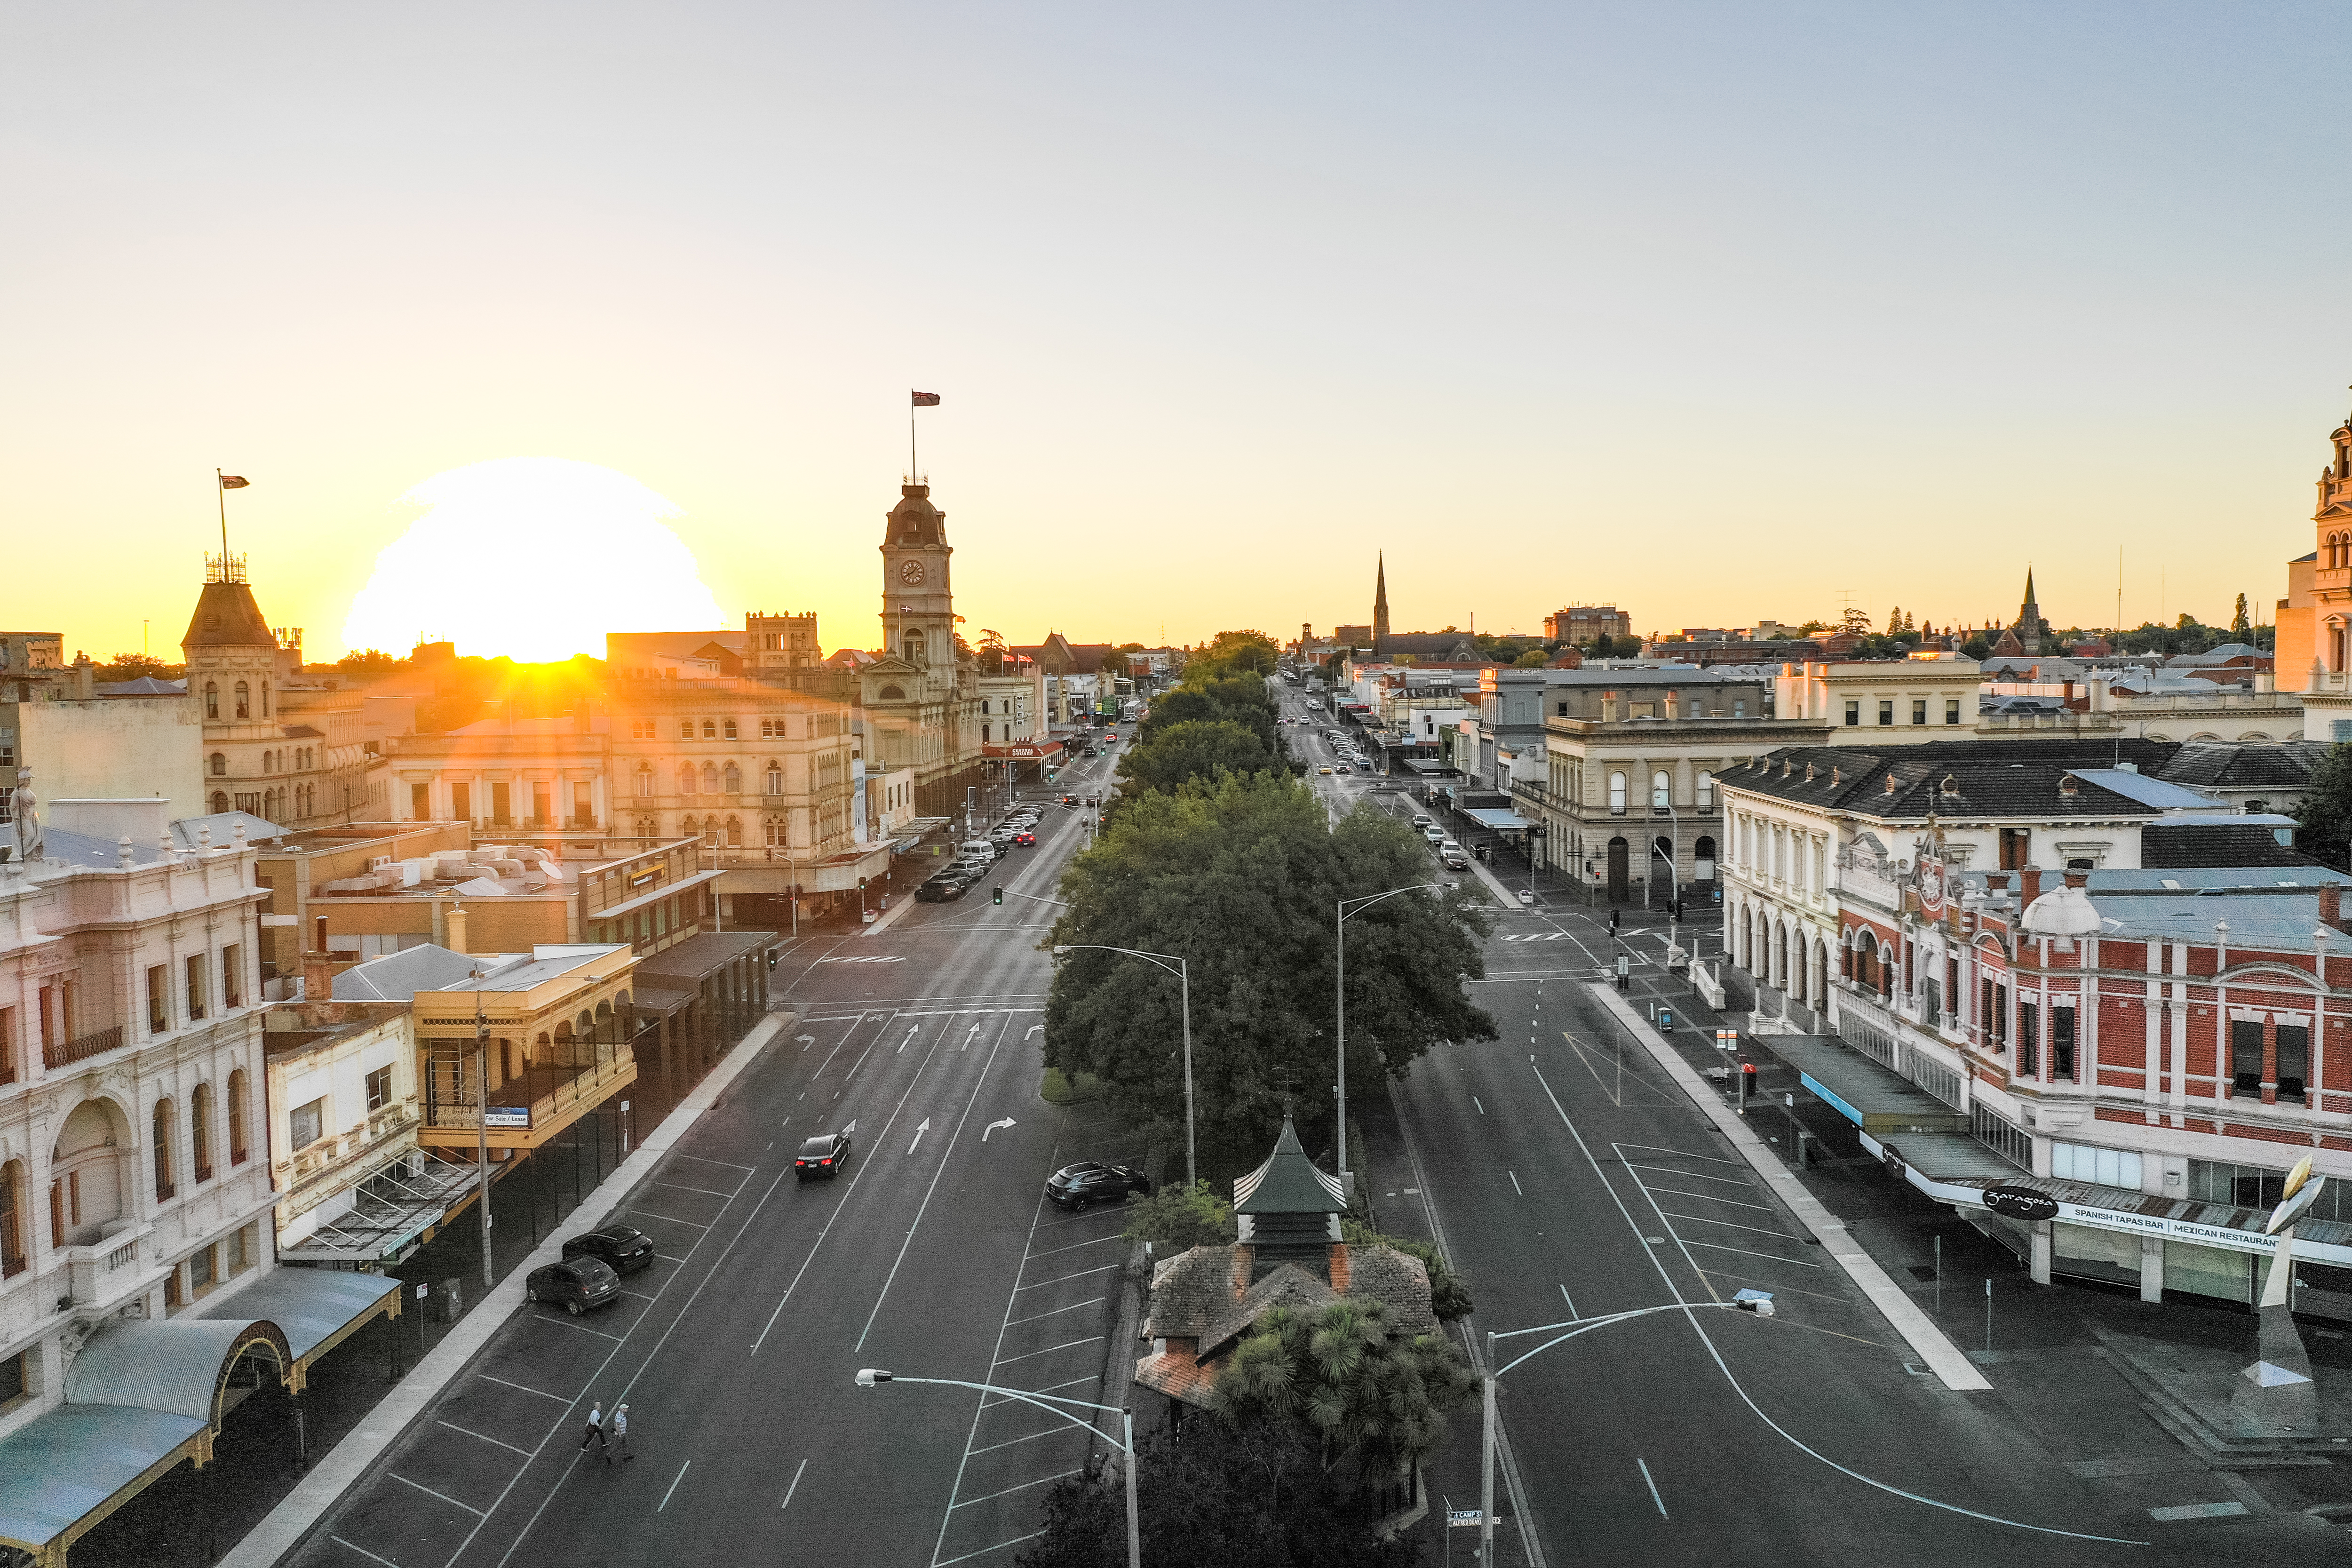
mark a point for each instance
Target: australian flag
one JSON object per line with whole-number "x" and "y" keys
{"x": 927, "y": 400}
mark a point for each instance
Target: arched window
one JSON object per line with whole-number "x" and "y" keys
{"x": 890, "y": 694}
{"x": 14, "y": 1253}
{"x": 212, "y": 699}
{"x": 776, "y": 833}
{"x": 244, "y": 700}
{"x": 710, "y": 730}
{"x": 1705, "y": 791}
{"x": 220, "y": 802}
{"x": 686, "y": 729}
{"x": 200, "y": 1130}
{"x": 734, "y": 779}
{"x": 164, "y": 1190}
{"x": 1616, "y": 795}
{"x": 1662, "y": 792}
{"x": 645, "y": 779}
{"x": 686, "y": 778}
{"x": 711, "y": 778}
{"x": 239, "y": 1148}
{"x": 220, "y": 765}
{"x": 775, "y": 778}
{"x": 729, "y": 729}
{"x": 734, "y": 833}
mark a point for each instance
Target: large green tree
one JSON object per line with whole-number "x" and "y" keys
{"x": 1239, "y": 876}
{"x": 1193, "y": 749}
{"x": 1375, "y": 1400}
{"x": 1223, "y": 1497}
{"x": 2326, "y": 813}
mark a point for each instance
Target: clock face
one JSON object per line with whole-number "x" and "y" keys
{"x": 910, "y": 571}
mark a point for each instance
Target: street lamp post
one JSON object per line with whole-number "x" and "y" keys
{"x": 1182, "y": 972}
{"x": 868, "y": 1376}
{"x": 1339, "y": 931}
{"x": 1757, "y": 1301}
{"x": 482, "y": 1124}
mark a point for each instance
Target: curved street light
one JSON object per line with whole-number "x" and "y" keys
{"x": 1182, "y": 972}
{"x": 1340, "y": 930}
{"x": 1757, "y": 1301}
{"x": 868, "y": 1376}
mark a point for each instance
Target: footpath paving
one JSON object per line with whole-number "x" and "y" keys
{"x": 364, "y": 1446}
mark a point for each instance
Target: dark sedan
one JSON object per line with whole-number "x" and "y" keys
{"x": 579, "y": 1283}
{"x": 624, "y": 1248}
{"x": 822, "y": 1156}
{"x": 1075, "y": 1186}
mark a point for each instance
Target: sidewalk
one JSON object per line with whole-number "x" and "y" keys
{"x": 351, "y": 1459}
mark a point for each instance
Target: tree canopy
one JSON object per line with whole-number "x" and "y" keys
{"x": 1372, "y": 1398}
{"x": 2326, "y": 813}
{"x": 1239, "y": 874}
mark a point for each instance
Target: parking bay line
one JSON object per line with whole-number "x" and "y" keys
{"x": 568, "y": 1323}
{"x": 1025, "y": 1485}
{"x": 1710, "y": 1197}
{"x": 986, "y": 1550}
{"x": 682, "y": 1187}
{"x": 1746, "y": 1252}
{"x": 364, "y": 1552}
{"x": 428, "y": 1491}
{"x": 673, "y": 1486}
{"x": 1049, "y": 1252}
{"x": 566, "y": 1401}
{"x": 1693, "y": 1175}
{"x": 1057, "y": 1311}
{"x": 1727, "y": 1224}
{"x": 1049, "y": 1350}
{"x": 510, "y": 1448}
{"x": 1060, "y": 1279}
{"x": 671, "y": 1219}
{"x": 793, "y": 1488}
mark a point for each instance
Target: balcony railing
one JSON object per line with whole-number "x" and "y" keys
{"x": 589, "y": 1083}
{"x": 82, "y": 1049}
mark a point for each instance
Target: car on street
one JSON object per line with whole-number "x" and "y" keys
{"x": 945, "y": 888}
{"x": 1324, "y": 769}
{"x": 1423, "y": 820}
{"x": 1453, "y": 860}
{"x": 822, "y": 1156}
{"x": 577, "y": 1283}
{"x": 621, "y": 1247}
{"x": 1026, "y": 838}
{"x": 1526, "y": 895}
{"x": 1070, "y": 800}
{"x": 1434, "y": 833}
{"x": 1076, "y": 1187}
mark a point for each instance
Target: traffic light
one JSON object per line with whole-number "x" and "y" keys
{"x": 861, "y": 884}
{"x": 1000, "y": 895}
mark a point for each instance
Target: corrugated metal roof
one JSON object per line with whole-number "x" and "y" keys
{"x": 1288, "y": 1183}
{"x": 2133, "y": 785}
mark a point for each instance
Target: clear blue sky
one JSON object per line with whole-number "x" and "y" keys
{"x": 1712, "y": 311}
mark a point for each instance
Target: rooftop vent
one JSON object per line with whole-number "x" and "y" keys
{"x": 1951, "y": 784}
{"x": 1890, "y": 783}
{"x": 2070, "y": 785}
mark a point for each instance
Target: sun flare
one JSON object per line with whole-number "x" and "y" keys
{"x": 534, "y": 558}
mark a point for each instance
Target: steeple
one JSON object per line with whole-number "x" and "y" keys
{"x": 2031, "y": 630}
{"x": 1380, "y": 602}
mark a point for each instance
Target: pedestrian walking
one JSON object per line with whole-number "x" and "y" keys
{"x": 595, "y": 1432}
{"x": 620, "y": 1424}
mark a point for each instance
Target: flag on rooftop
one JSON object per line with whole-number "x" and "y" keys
{"x": 927, "y": 400}
{"x": 234, "y": 482}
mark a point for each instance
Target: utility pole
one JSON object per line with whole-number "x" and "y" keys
{"x": 482, "y": 1123}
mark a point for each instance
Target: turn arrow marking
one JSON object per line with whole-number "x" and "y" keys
{"x": 992, "y": 1127}
{"x": 926, "y": 1127}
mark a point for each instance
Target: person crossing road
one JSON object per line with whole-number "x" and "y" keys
{"x": 595, "y": 1429}
{"x": 620, "y": 1426}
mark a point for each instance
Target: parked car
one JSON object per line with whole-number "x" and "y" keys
{"x": 1453, "y": 860}
{"x": 1434, "y": 835}
{"x": 822, "y": 1156}
{"x": 1526, "y": 895}
{"x": 1422, "y": 820}
{"x": 621, "y": 1247}
{"x": 945, "y": 888}
{"x": 579, "y": 1283}
{"x": 1075, "y": 1186}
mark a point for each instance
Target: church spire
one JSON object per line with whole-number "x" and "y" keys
{"x": 1380, "y": 602}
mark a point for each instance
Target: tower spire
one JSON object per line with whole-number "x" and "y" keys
{"x": 1380, "y": 602}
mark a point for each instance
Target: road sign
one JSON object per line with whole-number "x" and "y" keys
{"x": 1460, "y": 1518}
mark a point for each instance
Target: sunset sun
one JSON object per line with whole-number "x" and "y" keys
{"x": 533, "y": 558}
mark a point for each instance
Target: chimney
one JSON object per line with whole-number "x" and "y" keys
{"x": 1996, "y": 881}
{"x": 85, "y": 677}
{"x": 2077, "y": 879}
{"x": 318, "y": 934}
{"x": 2331, "y": 904}
{"x": 2029, "y": 885}
{"x": 318, "y": 977}
{"x": 457, "y": 924}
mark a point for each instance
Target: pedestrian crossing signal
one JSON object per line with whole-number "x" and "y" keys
{"x": 1000, "y": 895}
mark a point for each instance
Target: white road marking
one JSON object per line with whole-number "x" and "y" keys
{"x": 364, "y": 1552}
{"x": 1654, "y": 1486}
{"x": 1479, "y": 1103}
{"x": 563, "y": 1400}
{"x": 1570, "y": 1299}
{"x": 1049, "y": 1350}
{"x": 672, "y": 1486}
{"x": 510, "y": 1448}
{"x": 1515, "y": 1184}
{"x": 1025, "y": 1485}
{"x": 793, "y": 1488}
{"x": 1062, "y": 1279}
{"x": 986, "y": 1550}
{"x": 671, "y": 1219}
{"x": 1040, "y": 1316}
{"x": 1711, "y": 1198}
{"x": 926, "y": 1127}
{"x": 992, "y": 1127}
{"x": 428, "y": 1491}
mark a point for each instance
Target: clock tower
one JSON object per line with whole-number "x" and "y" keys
{"x": 918, "y": 603}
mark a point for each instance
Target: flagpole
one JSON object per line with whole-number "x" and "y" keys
{"x": 220, "y": 494}
{"x": 914, "y": 469}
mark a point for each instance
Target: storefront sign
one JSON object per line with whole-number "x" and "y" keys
{"x": 2021, "y": 1203}
{"x": 508, "y": 1118}
{"x": 1894, "y": 1158}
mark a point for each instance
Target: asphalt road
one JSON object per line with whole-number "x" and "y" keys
{"x": 933, "y": 1254}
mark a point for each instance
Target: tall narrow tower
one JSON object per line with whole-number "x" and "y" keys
{"x": 2032, "y": 629}
{"x": 1380, "y": 604}
{"x": 917, "y": 604}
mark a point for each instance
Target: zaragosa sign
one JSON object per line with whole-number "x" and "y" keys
{"x": 2021, "y": 1203}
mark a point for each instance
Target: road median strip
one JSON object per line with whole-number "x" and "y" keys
{"x": 1903, "y": 1314}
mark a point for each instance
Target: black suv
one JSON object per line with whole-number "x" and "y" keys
{"x": 822, "y": 1156}
{"x": 579, "y": 1283}
{"x": 1075, "y": 1186}
{"x": 624, "y": 1248}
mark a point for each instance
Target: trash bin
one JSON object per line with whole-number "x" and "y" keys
{"x": 452, "y": 1300}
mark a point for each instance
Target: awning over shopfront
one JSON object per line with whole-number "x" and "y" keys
{"x": 654, "y": 896}
{"x": 143, "y": 1396}
{"x": 391, "y": 1209}
{"x": 1430, "y": 767}
{"x": 1875, "y": 1099}
{"x": 1501, "y": 821}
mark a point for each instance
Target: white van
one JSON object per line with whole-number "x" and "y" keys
{"x": 981, "y": 848}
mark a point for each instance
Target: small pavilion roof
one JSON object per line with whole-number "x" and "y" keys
{"x": 1288, "y": 1183}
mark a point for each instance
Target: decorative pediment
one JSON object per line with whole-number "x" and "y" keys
{"x": 890, "y": 664}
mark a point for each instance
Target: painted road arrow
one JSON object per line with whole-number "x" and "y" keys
{"x": 926, "y": 1127}
{"x": 992, "y": 1127}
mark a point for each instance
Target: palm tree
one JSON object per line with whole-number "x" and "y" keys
{"x": 1369, "y": 1395}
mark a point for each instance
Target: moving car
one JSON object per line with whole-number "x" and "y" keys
{"x": 1526, "y": 895}
{"x": 945, "y": 888}
{"x": 1070, "y": 800}
{"x": 579, "y": 1283}
{"x": 1324, "y": 769}
{"x": 1453, "y": 860}
{"x": 822, "y": 1156}
{"x": 1423, "y": 820}
{"x": 1026, "y": 838}
{"x": 1434, "y": 835}
{"x": 623, "y": 1249}
{"x": 1075, "y": 1186}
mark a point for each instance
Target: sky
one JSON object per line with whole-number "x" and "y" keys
{"x": 1714, "y": 311}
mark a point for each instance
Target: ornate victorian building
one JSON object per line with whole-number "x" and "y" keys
{"x": 277, "y": 743}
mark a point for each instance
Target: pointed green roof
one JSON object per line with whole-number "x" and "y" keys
{"x": 1288, "y": 1183}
